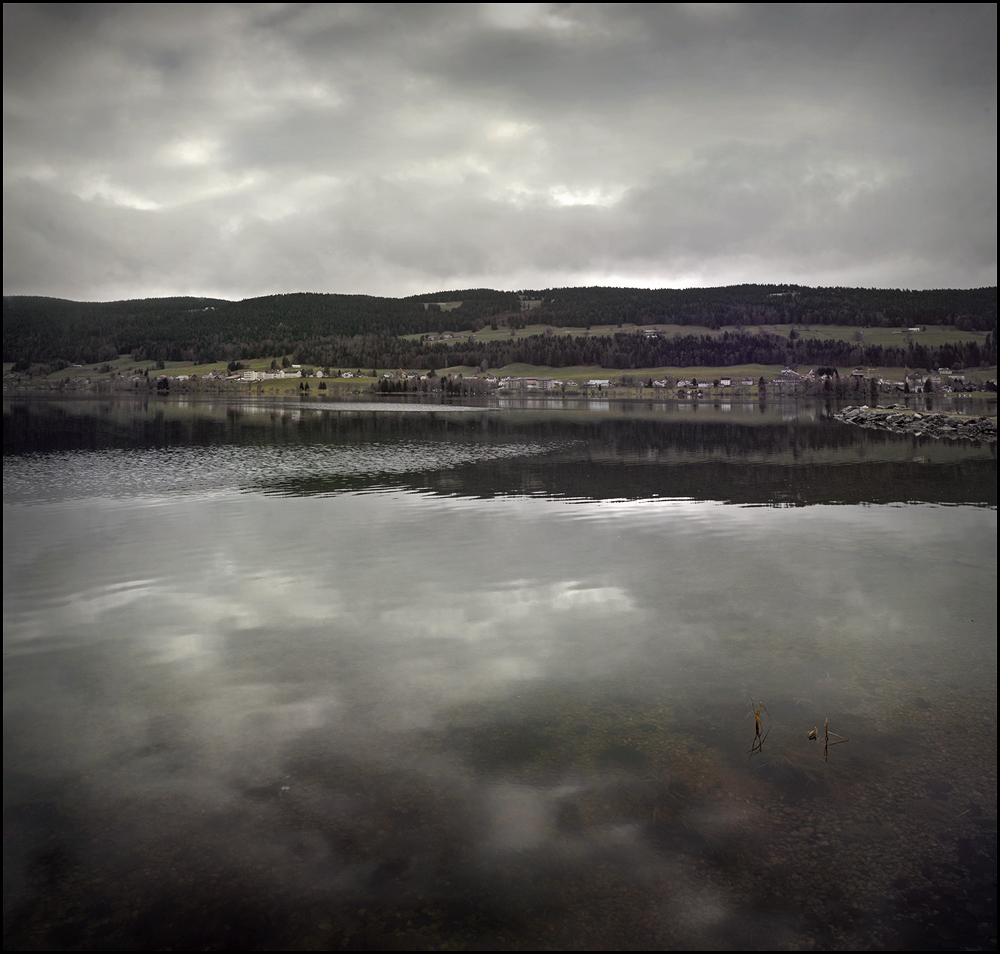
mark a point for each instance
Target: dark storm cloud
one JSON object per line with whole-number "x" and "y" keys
{"x": 244, "y": 149}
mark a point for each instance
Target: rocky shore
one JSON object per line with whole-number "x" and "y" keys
{"x": 901, "y": 420}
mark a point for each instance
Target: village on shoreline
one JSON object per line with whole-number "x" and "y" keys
{"x": 682, "y": 384}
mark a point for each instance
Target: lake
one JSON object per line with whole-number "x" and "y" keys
{"x": 301, "y": 675}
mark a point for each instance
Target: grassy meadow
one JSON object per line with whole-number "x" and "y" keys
{"x": 934, "y": 335}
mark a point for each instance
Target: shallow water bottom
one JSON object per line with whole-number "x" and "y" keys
{"x": 566, "y": 819}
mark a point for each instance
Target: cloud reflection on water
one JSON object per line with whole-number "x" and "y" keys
{"x": 510, "y": 706}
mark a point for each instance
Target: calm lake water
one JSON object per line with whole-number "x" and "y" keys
{"x": 380, "y": 676}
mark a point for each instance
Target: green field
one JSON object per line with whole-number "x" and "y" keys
{"x": 755, "y": 371}
{"x": 125, "y": 364}
{"x": 935, "y": 335}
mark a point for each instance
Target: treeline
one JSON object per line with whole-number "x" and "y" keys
{"x": 204, "y": 330}
{"x": 629, "y": 350}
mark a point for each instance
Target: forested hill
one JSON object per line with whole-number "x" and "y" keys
{"x": 206, "y": 330}
{"x": 741, "y": 305}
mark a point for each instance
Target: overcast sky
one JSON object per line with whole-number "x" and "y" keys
{"x": 240, "y": 150}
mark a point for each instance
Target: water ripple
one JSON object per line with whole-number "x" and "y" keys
{"x": 155, "y": 472}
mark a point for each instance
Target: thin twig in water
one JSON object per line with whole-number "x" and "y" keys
{"x": 759, "y": 736}
{"x": 826, "y": 740}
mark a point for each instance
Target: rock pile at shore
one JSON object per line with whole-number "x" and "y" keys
{"x": 901, "y": 420}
